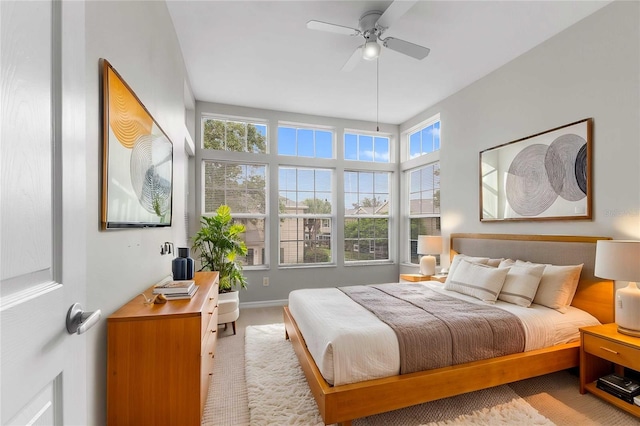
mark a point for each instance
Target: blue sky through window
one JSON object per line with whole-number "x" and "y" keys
{"x": 425, "y": 140}
{"x": 366, "y": 148}
{"x": 305, "y": 142}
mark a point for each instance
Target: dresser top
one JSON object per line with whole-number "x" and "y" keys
{"x": 136, "y": 308}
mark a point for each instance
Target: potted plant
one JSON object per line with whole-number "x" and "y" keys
{"x": 218, "y": 245}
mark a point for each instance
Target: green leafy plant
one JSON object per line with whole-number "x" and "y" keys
{"x": 218, "y": 244}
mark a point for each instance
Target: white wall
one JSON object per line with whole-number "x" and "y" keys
{"x": 139, "y": 41}
{"x": 592, "y": 69}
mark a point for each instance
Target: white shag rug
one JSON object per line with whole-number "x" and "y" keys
{"x": 278, "y": 394}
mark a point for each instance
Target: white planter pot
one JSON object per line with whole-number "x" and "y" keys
{"x": 229, "y": 308}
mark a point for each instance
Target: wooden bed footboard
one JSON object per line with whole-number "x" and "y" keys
{"x": 342, "y": 404}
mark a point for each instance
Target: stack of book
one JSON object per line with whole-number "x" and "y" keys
{"x": 174, "y": 290}
{"x": 621, "y": 387}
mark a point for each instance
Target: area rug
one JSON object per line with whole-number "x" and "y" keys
{"x": 278, "y": 394}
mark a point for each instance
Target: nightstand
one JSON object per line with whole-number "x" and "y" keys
{"x": 603, "y": 349}
{"x": 414, "y": 278}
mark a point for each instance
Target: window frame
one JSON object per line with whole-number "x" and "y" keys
{"x": 298, "y": 126}
{"x": 331, "y": 217}
{"x": 388, "y": 217}
{"x": 236, "y": 119}
{"x": 407, "y": 166}
{"x": 373, "y": 135}
{"x": 264, "y": 217}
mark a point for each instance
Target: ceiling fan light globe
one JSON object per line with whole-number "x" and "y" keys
{"x": 371, "y": 50}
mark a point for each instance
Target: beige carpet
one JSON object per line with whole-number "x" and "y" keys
{"x": 554, "y": 396}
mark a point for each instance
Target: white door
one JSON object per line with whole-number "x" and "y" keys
{"x": 42, "y": 211}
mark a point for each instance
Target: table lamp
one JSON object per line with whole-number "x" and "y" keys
{"x": 619, "y": 260}
{"x": 428, "y": 245}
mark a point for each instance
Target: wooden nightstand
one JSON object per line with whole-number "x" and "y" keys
{"x": 603, "y": 349}
{"x": 414, "y": 278}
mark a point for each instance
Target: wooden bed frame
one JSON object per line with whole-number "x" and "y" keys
{"x": 344, "y": 403}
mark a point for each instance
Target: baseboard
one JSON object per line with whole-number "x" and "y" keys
{"x": 264, "y": 304}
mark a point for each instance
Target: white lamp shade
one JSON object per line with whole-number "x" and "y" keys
{"x": 620, "y": 260}
{"x": 429, "y": 244}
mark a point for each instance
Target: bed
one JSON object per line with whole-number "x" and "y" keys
{"x": 342, "y": 403}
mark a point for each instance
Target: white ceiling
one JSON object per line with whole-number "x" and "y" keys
{"x": 261, "y": 54}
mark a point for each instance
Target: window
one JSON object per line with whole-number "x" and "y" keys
{"x": 234, "y": 135}
{"x": 424, "y": 205}
{"x": 425, "y": 140}
{"x": 360, "y": 147}
{"x": 243, "y": 188}
{"x": 304, "y": 142}
{"x": 305, "y": 209}
{"x": 366, "y": 223}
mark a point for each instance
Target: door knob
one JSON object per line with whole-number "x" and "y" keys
{"x": 79, "y": 321}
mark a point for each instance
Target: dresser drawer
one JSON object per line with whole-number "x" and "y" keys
{"x": 209, "y": 309}
{"x": 612, "y": 351}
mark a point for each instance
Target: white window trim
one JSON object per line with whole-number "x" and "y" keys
{"x": 406, "y": 166}
{"x": 237, "y": 119}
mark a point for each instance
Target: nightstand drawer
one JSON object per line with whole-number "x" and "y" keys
{"x": 612, "y": 351}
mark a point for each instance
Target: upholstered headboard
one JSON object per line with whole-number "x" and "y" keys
{"x": 594, "y": 295}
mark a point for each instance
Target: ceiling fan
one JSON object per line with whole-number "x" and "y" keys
{"x": 371, "y": 26}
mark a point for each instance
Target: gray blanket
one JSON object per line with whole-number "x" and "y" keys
{"x": 435, "y": 330}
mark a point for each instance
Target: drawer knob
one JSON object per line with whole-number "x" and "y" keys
{"x": 608, "y": 350}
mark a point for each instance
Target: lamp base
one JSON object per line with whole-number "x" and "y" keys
{"x": 428, "y": 265}
{"x": 628, "y": 310}
{"x": 628, "y": 331}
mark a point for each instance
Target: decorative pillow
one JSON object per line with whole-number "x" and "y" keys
{"x": 506, "y": 263}
{"x": 521, "y": 283}
{"x": 458, "y": 257}
{"x": 494, "y": 262}
{"x": 557, "y": 286}
{"x": 477, "y": 280}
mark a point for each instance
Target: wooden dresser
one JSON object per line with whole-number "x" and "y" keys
{"x": 160, "y": 358}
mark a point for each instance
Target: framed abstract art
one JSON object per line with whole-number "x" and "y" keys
{"x": 546, "y": 176}
{"x": 137, "y": 166}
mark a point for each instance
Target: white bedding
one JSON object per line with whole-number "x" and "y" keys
{"x": 349, "y": 344}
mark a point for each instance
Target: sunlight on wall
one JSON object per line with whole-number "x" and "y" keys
{"x": 627, "y": 222}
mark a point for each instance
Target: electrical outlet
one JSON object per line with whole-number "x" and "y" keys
{"x": 265, "y": 281}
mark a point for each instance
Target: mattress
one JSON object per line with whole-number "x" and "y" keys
{"x": 350, "y": 344}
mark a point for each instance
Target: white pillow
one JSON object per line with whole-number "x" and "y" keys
{"x": 480, "y": 281}
{"x": 521, "y": 283}
{"x": 557, "y": 286}
{"x": 456, "y": 260}
{"x": 494, "y": 262}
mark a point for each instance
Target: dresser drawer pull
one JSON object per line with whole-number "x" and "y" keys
{"x": 608, "y": 350}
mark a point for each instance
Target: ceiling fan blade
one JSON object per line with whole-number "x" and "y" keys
{"x": 332, "y": 28}
{"x": 409, "y": 49}
{"x": 395, "y": 11}
{"x": 353, "y": 60}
